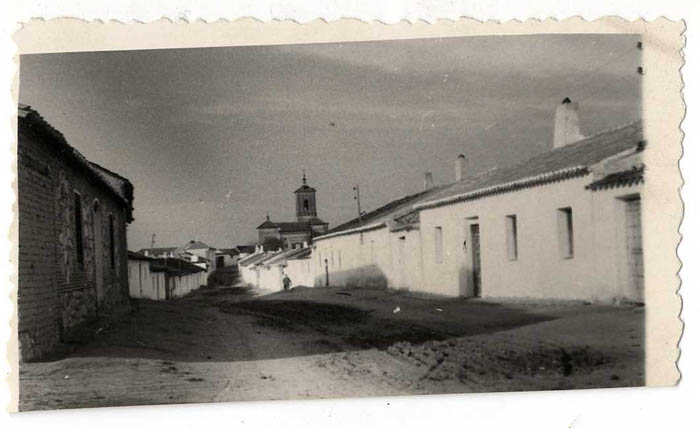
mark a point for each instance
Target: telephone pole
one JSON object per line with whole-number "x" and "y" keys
{"x": 357, "y": 198}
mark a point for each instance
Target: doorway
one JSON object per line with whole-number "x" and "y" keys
{"x": 635, "y": 252}
{"x": 476, "y": 258}
{"x": 402, "y": 262}
{"x": 99, "y": 253}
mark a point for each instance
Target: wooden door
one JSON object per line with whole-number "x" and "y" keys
{"x": 635, "y": 252}
{"x": 476, "y": 258}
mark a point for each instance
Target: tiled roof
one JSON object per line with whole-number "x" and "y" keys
{"x": 628, "y": 177}
{"x": 408, "y": 221}
{"x": 562, "y": 163}
{"x": 294, "y": 226}
{"x": 230, "y": 251}
{"x": 119, "y": 183}
{"x": 317, "y": 221}
{"x": 266, "y": 257}
{"x": 251, "y": 259}
{"x": 301, "y": 253}
{"x": 121, "y": 187}
{"x": 267, "y": 224}
{"x": 137, "y": 256}
{"x": 377, "y": 219}
{"x": 177, "y": 266}
{"x": 195, "y": 245}
{"x": 305, "y": 188}
{"x": 245, "y": 248}
{"x": 160, "y": 250}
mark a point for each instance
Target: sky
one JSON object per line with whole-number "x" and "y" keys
{"x": 215, "y": 138}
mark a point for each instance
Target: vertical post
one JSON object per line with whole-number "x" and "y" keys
{"x": 327, "y": 281}
{"x": 357, "y": 198}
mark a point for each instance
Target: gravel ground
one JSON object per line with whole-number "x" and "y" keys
{"x": 232, "y": 343}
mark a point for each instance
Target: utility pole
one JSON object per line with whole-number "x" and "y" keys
{"x": 357, "y": 198}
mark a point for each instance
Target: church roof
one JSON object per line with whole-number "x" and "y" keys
{"x": 305, "y": 188}
{"x": 267, "y": 224}
{"x": 292, "y": 226}
{"x": 317, "y": 221}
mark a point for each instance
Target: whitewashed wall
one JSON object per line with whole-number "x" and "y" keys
{"x": 593, "y": 273}
{"x": 354, "y": 260}
{"x": 300, "y": 271}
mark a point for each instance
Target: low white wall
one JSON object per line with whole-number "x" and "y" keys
{"x": 363, "y": 260}
{"x": 300, "y": 271}
{"x": 145, "y": 284}
{"x": 270, "y": 277}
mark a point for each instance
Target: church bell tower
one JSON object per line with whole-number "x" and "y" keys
{"x": 306, "y": 201}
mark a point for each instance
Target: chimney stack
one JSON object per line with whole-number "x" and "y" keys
{"x": 566, "y": 129}
{"x": 428, "y": 182}
{"x": 460, "y": 168}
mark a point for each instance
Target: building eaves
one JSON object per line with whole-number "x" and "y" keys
{"x": 34, "y": 121}
{"x": 625, "y": 178}
{"x": 563, "y": 163}
{"x": 365, "y": 228}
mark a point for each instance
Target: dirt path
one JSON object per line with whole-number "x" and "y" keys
{"x": 224, "y": 344}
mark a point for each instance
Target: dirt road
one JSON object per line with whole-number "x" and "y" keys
{"x": 228, "y": 343}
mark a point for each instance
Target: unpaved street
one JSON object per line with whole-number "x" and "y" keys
{"x": 228, "y": 343}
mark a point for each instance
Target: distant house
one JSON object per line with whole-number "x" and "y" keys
{"x": 266, "y": 269}
{"x": 159, "y": 252}
{"x": 195, "y": 252}
{"x": 226, "y": 257}
{"x": 564, "y": 224}
{"x": 72, "y": 218}
{"x": 163, "y": 278}
{"x": 204, "y": 254}
{"x": 244, "y": 250}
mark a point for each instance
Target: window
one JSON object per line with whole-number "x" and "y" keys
{"x": 306, "y": 204}
{"x": 78, "y": 211}
{"x": 512, "y": 237}
{"x": 438, "y": 245}
{"x": 111, "y": 241}
{"x": 565, "y": 222}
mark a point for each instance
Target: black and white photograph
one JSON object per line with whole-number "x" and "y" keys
{"x": 343, "y": 219}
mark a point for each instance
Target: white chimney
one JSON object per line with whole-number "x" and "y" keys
{"x": 566, "y": 129}
{"x": 428, "y": 182}
{"x": 460, "y": 168}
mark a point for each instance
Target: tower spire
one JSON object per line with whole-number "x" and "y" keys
{"x": 303, "y": 178}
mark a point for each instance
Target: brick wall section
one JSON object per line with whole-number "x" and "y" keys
{"x": 56, "y": 293}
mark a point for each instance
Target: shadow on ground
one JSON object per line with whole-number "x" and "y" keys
{"x": 234, "y": 324}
